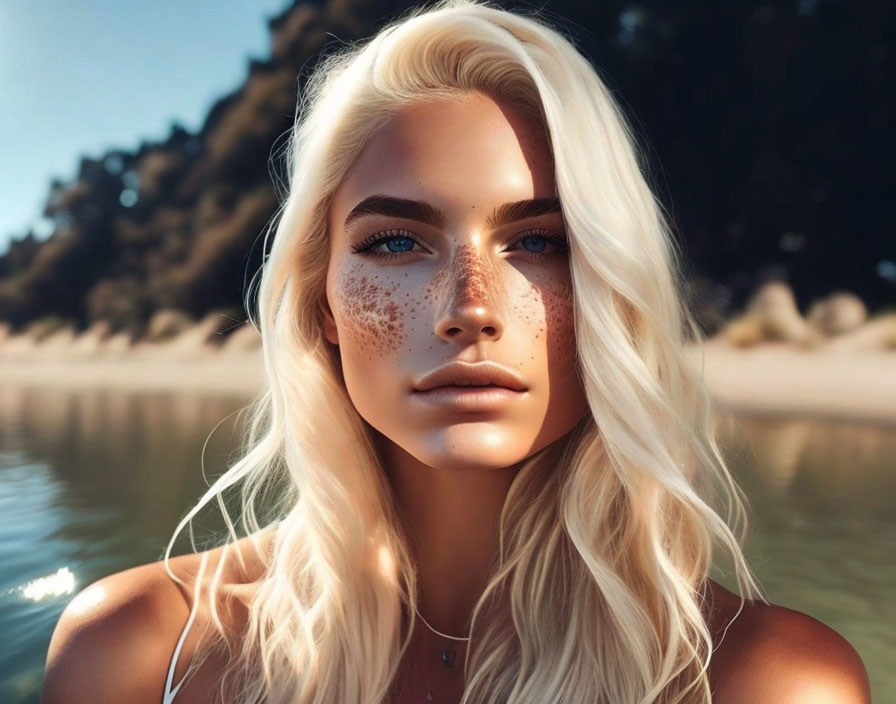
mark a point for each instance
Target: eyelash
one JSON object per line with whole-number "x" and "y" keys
{"x": 366, "y": 247}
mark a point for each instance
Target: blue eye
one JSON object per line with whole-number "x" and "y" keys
{"x": 538, "y": 242}
{"x": 398, "y": 244}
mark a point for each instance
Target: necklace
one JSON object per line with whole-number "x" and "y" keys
{"x": 449, "y": 654}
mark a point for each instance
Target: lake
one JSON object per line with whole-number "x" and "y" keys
{"x": 92, "y": 482}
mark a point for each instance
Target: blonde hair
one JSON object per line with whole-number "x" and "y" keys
{"x": 606, "y": 536}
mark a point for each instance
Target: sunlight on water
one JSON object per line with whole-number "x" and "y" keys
{"x": 60, "y": 583}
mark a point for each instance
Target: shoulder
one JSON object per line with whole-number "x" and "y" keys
{"x": 115, "y": 639}
{"x": 771, "y": 654}
{"x": 124, "y": 623}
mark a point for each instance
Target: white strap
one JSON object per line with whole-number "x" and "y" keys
{"x": 169, "y": 693}
{"x": 168, "y": 696}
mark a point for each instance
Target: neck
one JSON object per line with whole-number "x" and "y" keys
{"x": 451, "y": 517}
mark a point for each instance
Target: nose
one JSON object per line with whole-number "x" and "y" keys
{"x": 470, "y": 323}
{"x": 471, "y": 314}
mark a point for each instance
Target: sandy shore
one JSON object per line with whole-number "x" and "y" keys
{"x": 215, "y": 374}
{"x": 188, "y": 362}
{"x": 779, "y": 379}
{"x": 766, "y": 379}
{"x": 193, "y": 361}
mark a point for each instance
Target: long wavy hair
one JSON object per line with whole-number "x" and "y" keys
{"x": 607, "y": 536}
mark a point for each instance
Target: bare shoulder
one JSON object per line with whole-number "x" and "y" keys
{"x": 124, "y": 623}
{"x": 115, "y": 639}
{"x": 777, "y": 655}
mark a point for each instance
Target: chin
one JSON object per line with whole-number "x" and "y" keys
{"x": 459, "y": 462}
{"x": 460, "y": 447}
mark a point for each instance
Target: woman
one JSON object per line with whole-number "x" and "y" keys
{"x": 482, "y": 470}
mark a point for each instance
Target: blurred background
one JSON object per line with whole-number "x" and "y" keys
{"x": 140, "y": 169}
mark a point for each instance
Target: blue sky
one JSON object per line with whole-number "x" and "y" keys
{"x": 78, "y": 78}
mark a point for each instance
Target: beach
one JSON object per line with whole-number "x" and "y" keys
{"x": 195, "y": 359}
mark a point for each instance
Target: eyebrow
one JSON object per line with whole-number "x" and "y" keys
{"x": 421, "y": 211}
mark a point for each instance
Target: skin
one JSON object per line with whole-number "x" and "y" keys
{"x": 469, "y": 292}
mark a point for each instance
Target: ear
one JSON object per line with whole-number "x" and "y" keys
{"x": 329, "y": 323}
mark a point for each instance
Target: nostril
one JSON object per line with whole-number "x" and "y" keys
{"x": 462, "y": 328}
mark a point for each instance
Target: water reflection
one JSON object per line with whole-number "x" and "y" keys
{"x": 115, "y": 451}
{"x": 92, "y": 482}
{"x": 831, "y": 463}
{"x": 777, "y": 449}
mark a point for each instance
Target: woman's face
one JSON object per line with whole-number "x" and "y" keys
{"x": 448, "y": 248}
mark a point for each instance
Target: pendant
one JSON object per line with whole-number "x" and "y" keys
{"x": 448, "y": 657}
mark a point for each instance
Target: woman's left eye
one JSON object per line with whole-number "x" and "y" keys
{"x": 537, "y": 241}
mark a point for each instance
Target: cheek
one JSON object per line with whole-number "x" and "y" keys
{"x": 560, "y": 321}
{"x": 548, "y": 303}
{"x": 372, "y": 314}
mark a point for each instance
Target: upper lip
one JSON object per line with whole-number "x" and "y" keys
{"x": 466, "y": 374}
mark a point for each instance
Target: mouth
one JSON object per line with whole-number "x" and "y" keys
{"x": 469, "y": 388}
{"x": 463, "y": 376}
{"x": 470, "y": 397}
{"x": 477, "y": 387}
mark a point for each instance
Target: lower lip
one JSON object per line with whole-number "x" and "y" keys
{"x": 470, "y": 398}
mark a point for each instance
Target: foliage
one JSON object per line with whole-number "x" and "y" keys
{"x": 764, "y": 125}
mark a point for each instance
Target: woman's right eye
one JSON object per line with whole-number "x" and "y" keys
{"x": 392, "y": 243}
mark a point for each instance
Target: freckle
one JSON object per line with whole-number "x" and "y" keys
{"x": 372, "y": 323}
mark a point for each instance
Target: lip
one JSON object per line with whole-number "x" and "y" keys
{"x": 465, "y": 376}
{"x": 464, "y": 386}
{"x": 469, "y": 398}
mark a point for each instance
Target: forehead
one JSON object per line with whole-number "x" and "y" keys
{"x": 468, "y": 153}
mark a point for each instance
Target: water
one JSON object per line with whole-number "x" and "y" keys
{"x": 825, "y": 527}
{"x": 92, "y": 482}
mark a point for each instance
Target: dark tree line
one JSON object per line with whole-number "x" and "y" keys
{"x": 768, "y": 129}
